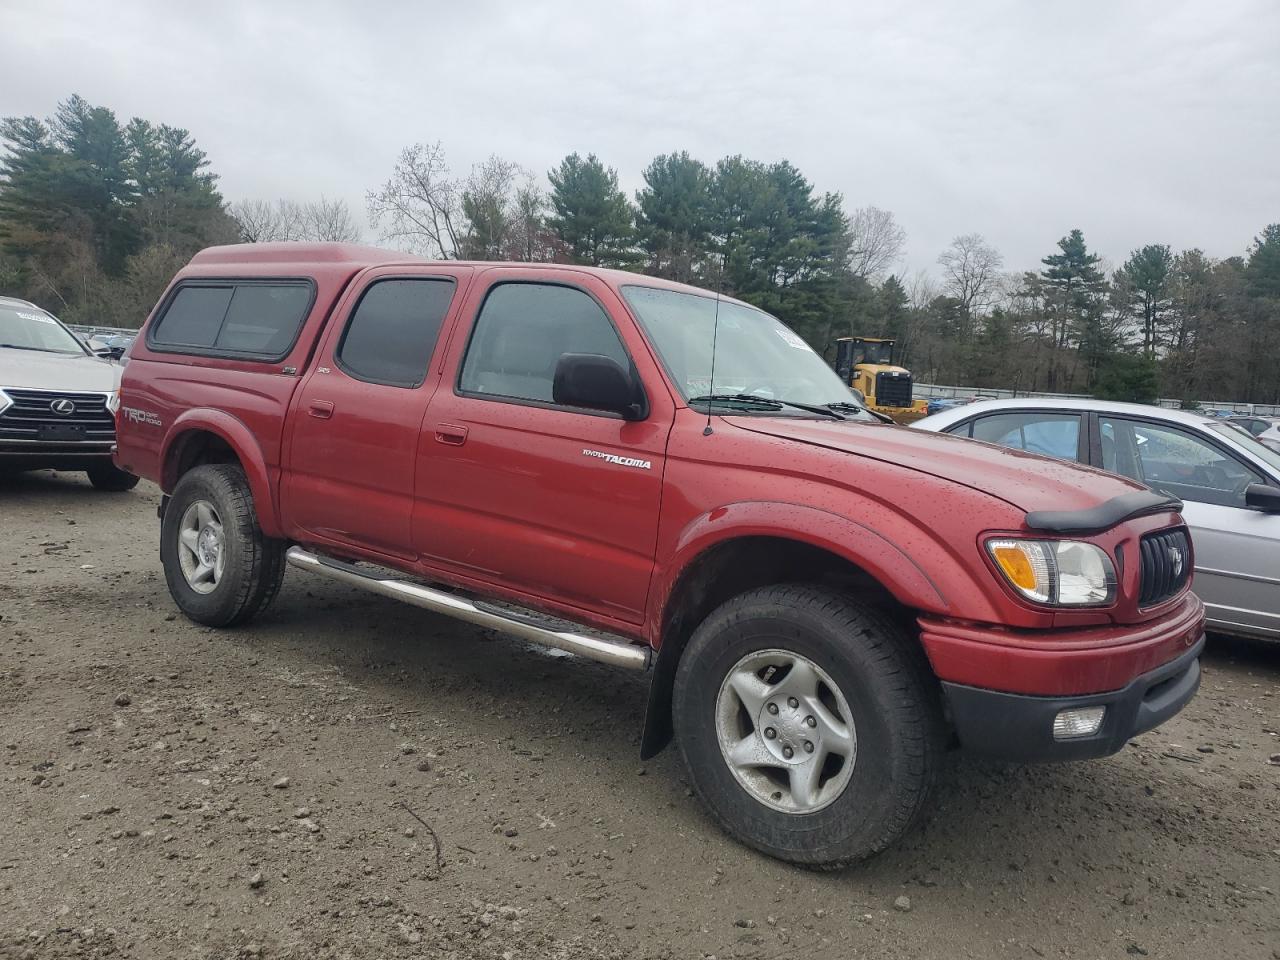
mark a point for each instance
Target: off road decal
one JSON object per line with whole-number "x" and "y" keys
{"x": 617, "y": 460}
{"x": 134, "y": 415}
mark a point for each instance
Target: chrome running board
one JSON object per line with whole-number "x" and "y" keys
{"x": 618, "y": 653}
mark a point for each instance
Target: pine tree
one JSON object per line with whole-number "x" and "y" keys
{"x": 592, "y": 216}
{"x": 674, "y": 216}
{"x": 1146, "y": 279}
{"x": 1075, "y": 290}
{"x": 91, "y": 212}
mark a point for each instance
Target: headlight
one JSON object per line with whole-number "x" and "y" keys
{"x": 1060, "y": 573}
{"x": 113, "y": 401}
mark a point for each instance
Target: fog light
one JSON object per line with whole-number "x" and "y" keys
{"x": 1081, "y": 722}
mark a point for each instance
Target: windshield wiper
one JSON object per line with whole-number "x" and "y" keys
{"x": 849, "y": 405}
{"x": 765, "y": 403}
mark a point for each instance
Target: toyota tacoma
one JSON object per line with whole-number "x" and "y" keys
{"x": 665, "y": 480}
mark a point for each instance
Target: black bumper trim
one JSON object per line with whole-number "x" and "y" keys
{"x": 1015, "y": 726}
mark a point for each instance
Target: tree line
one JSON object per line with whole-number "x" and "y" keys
{"x": 1174, "y": 324}
{"x": 96, "y": 216}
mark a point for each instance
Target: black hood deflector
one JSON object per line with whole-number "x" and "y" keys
{"x": 1140, "y": 503}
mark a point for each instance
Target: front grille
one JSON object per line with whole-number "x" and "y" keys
{"x": 31, "y": 409}
{"x": 1166, "y": 565}
{"x": 893, "y": 391}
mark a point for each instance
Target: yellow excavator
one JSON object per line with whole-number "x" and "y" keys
{"x": 866, "y": 364}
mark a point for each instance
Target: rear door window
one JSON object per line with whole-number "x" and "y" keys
{"x": 1048, "y": 434}
{"x": 393, "y": 330}
{"x": 253, "y": 319}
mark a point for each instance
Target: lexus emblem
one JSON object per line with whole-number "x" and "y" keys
{"x": 1175, "y": 557}
{"x": 62, "y": 407}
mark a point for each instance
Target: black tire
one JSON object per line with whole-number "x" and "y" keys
{"x": 253, "y": 565}
{"x": 109, "y": 477}
{"x": 891, "y": 695}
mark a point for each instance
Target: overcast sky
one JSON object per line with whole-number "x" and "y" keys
{"x": 1137, "y": 122}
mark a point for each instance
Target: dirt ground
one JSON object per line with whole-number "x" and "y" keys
{"x": 354, "y": 778}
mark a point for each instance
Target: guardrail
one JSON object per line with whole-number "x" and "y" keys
{"x": 88, "y": 330}
{"x": 930, "y": 390}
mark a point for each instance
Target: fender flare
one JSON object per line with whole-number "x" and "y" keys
{"x": 851, "y": 540}
{"x": 243, "y": 443}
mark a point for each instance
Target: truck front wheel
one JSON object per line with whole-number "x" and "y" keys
{"x": 220, "y": 569}
{"x": 808, "y": 724}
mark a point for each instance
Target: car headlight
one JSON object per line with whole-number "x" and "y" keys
{"x": 1060, "y": 573}
{"x": 113, "y": 401}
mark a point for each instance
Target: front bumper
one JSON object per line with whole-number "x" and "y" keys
{"x": 1019, "y": 727}
{"x": 43, "y": 455}
{"x": 1005, "y": 687}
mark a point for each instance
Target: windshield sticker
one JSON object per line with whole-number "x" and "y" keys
{"x": 792, "y": 339}
{"x": 33, "y": 316}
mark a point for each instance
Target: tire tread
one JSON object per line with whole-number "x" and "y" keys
{"x": 901, "y": 669}
{"x": 260, "y": 558}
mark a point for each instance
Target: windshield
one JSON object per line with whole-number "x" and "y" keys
{"x": 875, "y": 352}
{"x": 1246, "y": 441}
{"x": 756, "y": 354}
{"x": 30, "y": 328}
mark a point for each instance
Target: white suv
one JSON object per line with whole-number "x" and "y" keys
{"x": 58, "y": 401}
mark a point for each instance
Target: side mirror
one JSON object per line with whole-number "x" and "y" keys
{"x": 597, "y": 383}
{"x": 115, "y": 353}
{"x": 1262, "y": 497}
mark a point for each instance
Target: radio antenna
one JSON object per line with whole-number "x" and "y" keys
{"x": 715, "y": 333}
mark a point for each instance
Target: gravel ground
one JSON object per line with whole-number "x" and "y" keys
{"x": 351, "y": 777}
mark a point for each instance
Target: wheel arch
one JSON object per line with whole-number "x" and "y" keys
{"x": 769, "y": 543}
{"x": 212, "y": 436}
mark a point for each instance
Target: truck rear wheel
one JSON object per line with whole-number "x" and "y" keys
{"x": 808, "y": 724}
{"x": 220, "y": 568}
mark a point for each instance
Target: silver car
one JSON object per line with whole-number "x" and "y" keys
{"x": 58, "y": 401}
{"x": 1265, "y": 429}
{"x": 1228, "y": 482}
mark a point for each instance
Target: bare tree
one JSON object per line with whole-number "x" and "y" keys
{"x": 326, "y": 219}
{"x": 876, "y": 242}
{"x": 489, "y": 208}
{"x": 921, "y": 290}
{"x": 531, "y": 239}
{"x": 970, "y": 269}
{"x": 316, "y": 221}
{"x": 256, "y": 219}
{"x": 419, "y": 205}
{"x": 263, "y": 222}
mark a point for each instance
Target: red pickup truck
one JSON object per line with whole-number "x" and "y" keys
{"x": 661, "y": 479}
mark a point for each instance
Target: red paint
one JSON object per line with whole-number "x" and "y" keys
{"x": 499, "y": 497}
{"x": 1062, "y": 662}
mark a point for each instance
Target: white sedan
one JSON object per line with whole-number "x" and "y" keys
{"x": 1228, "y": 482}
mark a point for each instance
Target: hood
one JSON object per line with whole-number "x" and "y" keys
{"x": 1025, "y": 480}
{"x": 33, "y": 370}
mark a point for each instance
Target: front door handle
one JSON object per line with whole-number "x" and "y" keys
{"x": 322, "y": 409}
{"x": 451, "y": 434}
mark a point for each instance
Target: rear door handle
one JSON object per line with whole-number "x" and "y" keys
{"x": 453, "y": 435}
{"x": 322, "y": 409}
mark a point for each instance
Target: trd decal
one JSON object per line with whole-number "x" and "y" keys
{"x": 134, "y": 415}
